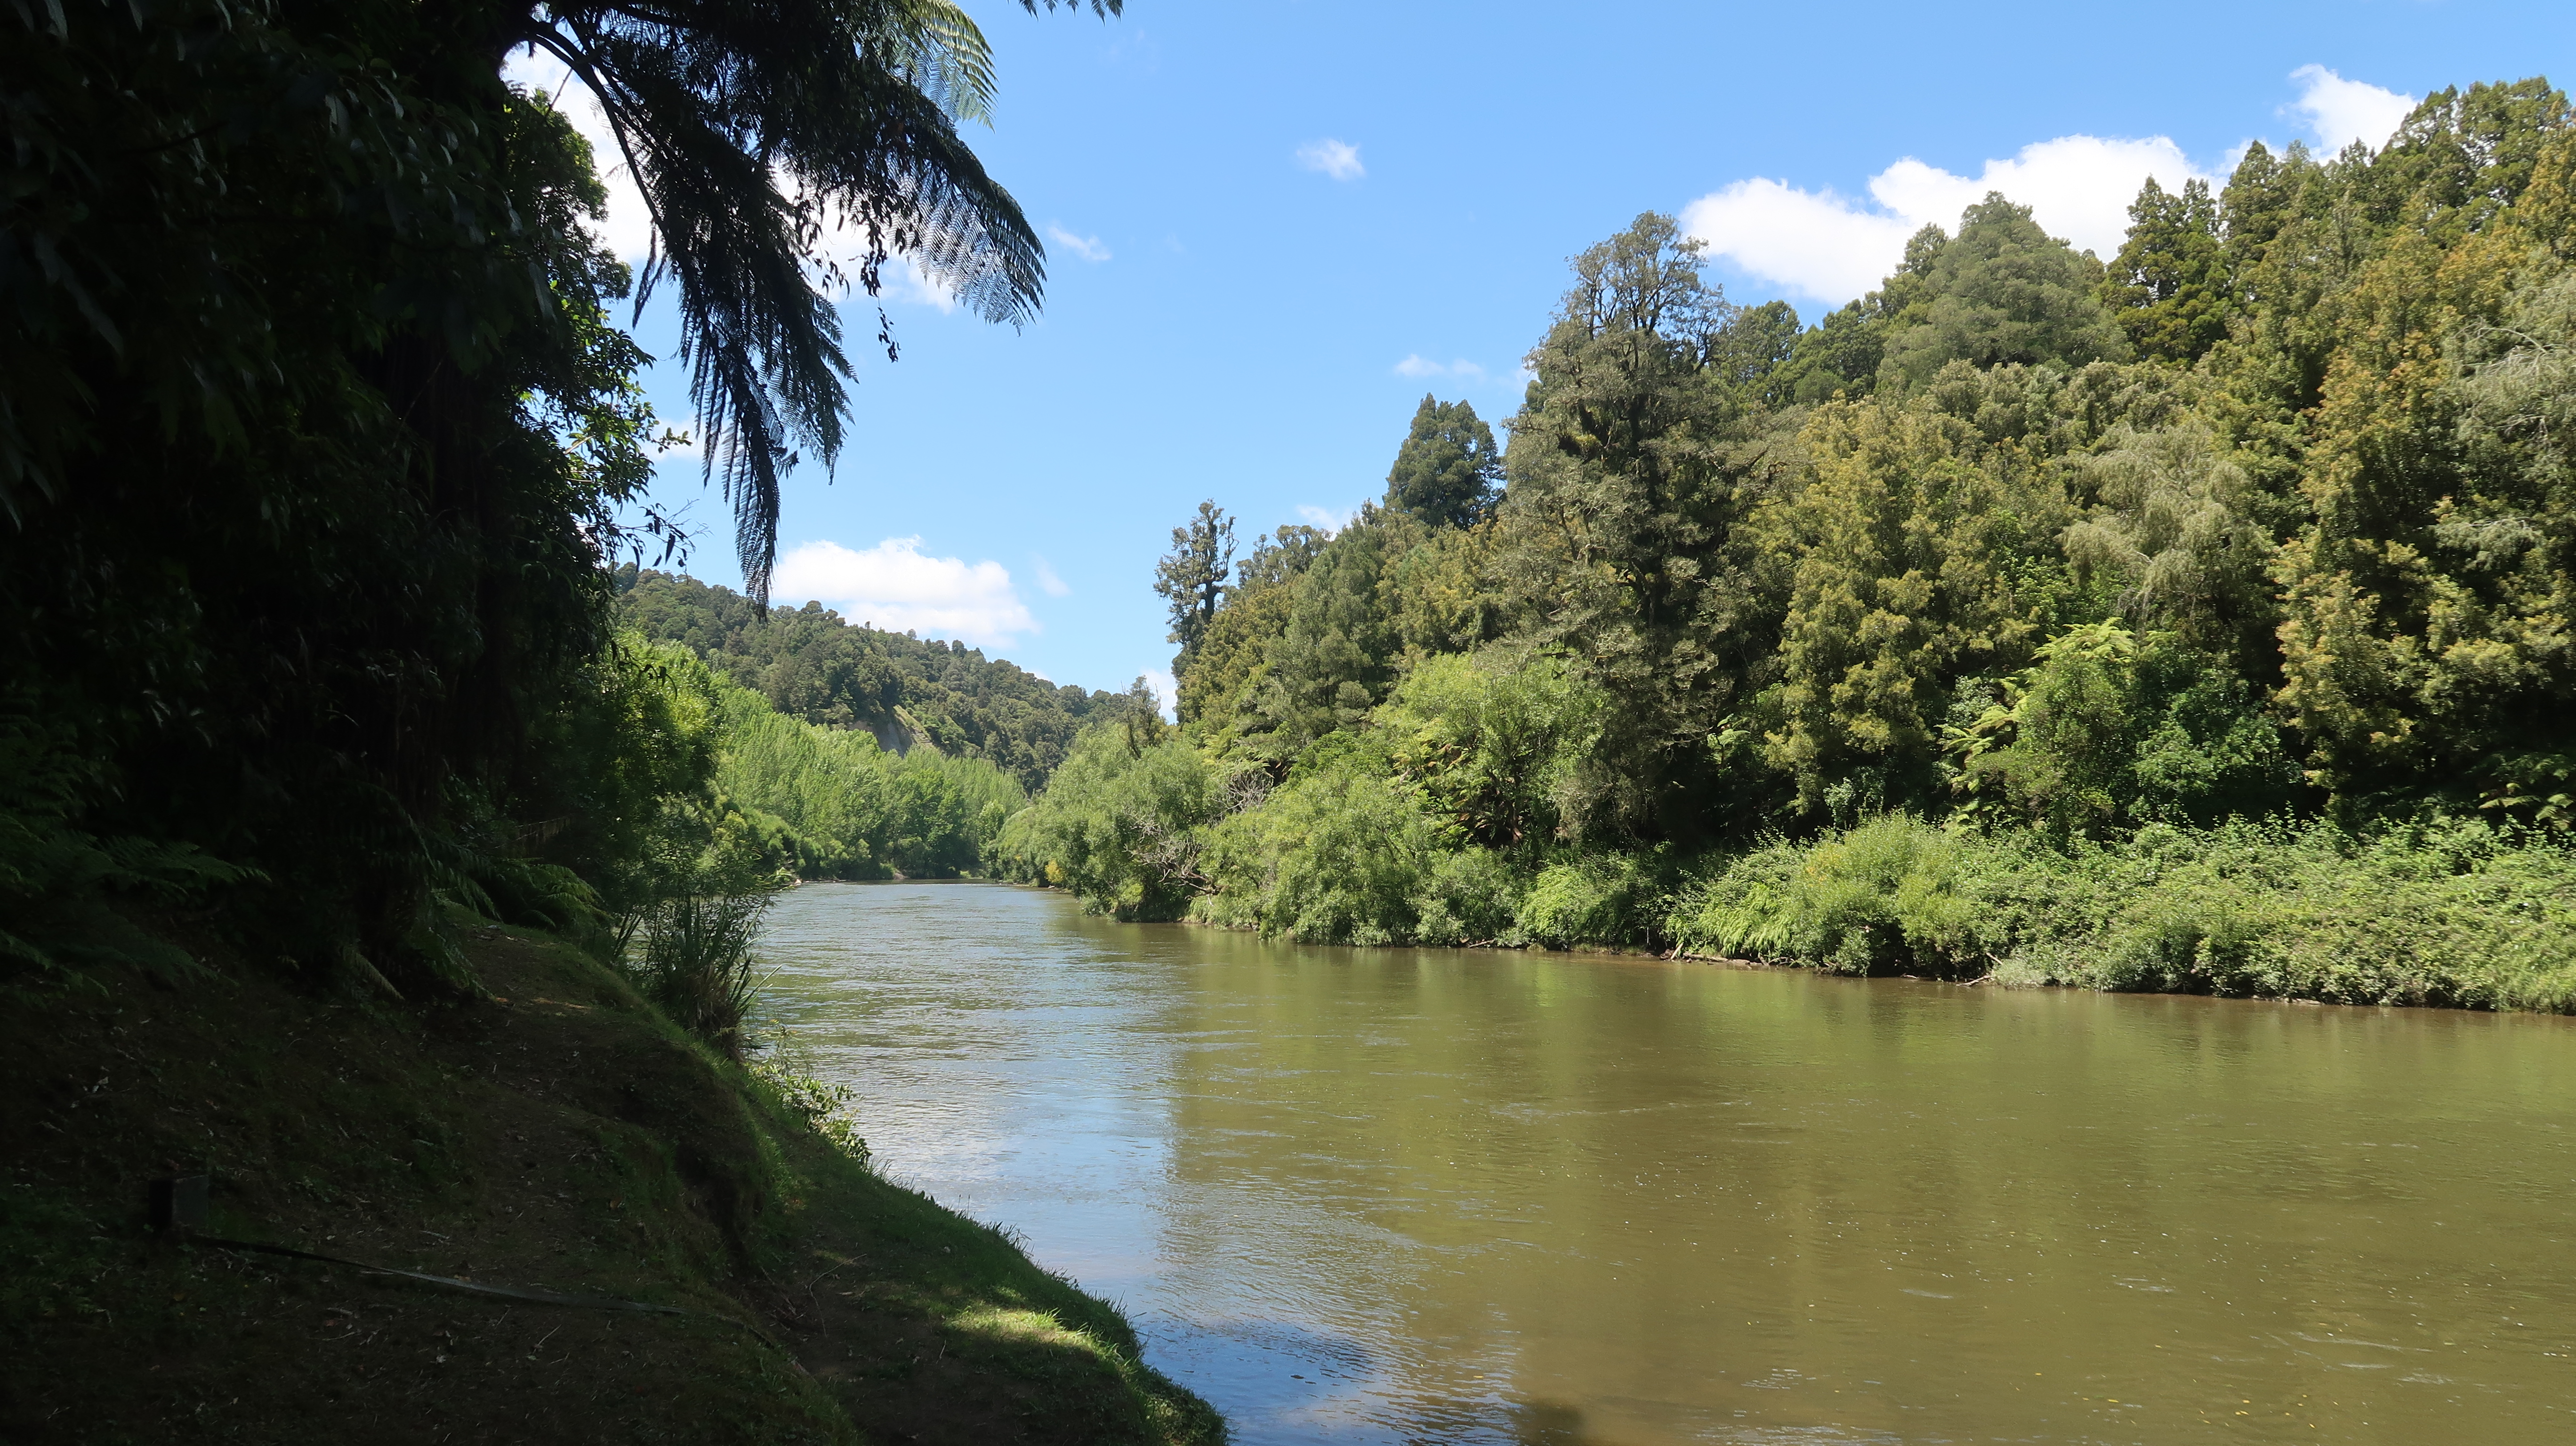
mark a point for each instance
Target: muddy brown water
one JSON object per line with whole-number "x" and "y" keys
{"x": 1392, "y": 1195}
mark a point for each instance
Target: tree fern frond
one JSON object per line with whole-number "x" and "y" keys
{"x": 853, "y": 105}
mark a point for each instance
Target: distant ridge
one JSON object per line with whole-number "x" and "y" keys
{"x": 811, "y": 664}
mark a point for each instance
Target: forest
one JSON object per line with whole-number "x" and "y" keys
{"x": 2195, "y": 619}
{"x": 367, "y": 878}
{"x": 809, "y": 664}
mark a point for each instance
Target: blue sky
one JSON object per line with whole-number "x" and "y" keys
{"x": 1273, "y": 227}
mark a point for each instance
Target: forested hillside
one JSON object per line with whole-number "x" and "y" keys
{"x": 811, "y": 665}
{"x": 2191, "y": 618}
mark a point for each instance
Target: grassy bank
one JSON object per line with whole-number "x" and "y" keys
{"x": 559, "y": 1135}
{"x": 2461, "y": 914}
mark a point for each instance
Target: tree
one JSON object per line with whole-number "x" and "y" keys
{"x": 2168, "y": 288}
{"x": 1233, "y": 653}
{"x": 1842, "y": 353}
{"x": 1448, "y": 469}
{"x": 1192, "y": 576}
{"x": 315, "y": 431}
{"x": 1754, "y": 350}
{"x": 1913, "y": 546}
{"x": 1333, "y": 661}
{"x": 1629, "y": 472}
{"x": 2000, "y": 291}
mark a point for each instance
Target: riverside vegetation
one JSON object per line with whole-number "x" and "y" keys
{"x": 352, "y": 854}
{"x": 2191, "y": 620}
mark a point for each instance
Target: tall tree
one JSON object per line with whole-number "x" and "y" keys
{"x": 1628, "y": 476}
{"x": 314, "y": 425}
{"x": 2168, "y": 288}
{"x": 1334, "y": 659}
{"x": 1448, "y": 469}
{"x": 1754, "y": 350}
{"x": 1192, "y": 577}
{"x": 2002, "y": 290}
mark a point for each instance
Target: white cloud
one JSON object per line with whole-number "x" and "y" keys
{"x": 1048, "y": 582}
{"x": 2341, "y": 111}
{"x": 628, "y": 230}
{"x": 1167, "y": 693}
{"x": 1418, "y": 365}
{"x": 1834, "y": 247}
{"x": 892, "y": 586}
{"x": 1813, "y": 242}
{"x": 1086, "y": 247}
{"x": 1326, "y": 518}
{"x": 1337, "y": 159}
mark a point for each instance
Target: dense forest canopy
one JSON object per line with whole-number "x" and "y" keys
{"x": 2266, "y": 518}
{"x": 898, "y": 688}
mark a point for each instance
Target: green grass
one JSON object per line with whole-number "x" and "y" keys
{"x": 562, "y": 1135}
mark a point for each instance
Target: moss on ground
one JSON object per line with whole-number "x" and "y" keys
{"x": 558, "y": 1135}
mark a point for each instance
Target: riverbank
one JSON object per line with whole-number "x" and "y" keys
{"x": 2444, "y": 911}
{"x": 2460, "y": 916}
{"x": 558, "y": 1136}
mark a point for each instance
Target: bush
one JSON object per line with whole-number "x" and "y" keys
{"x": 695, "y": 960}
{"x": 1882, "y": 896}
{"x": 1607, "y": 899}
{"x": 2446, "y": 912}
{"x": 1120, "y": 824}
{"x": 1338, "y": 856}
{"x": 1472, "y": 896}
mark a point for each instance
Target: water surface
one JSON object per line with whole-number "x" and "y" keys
{"x": 1396, "y": 1195}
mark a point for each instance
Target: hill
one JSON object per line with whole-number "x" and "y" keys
{"x": 906, "y": 690}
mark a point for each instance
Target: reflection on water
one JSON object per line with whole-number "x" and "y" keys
{"x": 1447, "y": 1196}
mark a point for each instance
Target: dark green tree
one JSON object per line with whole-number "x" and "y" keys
{"x": 1629, "y": 473}
{"x": 1191, "y": 577}
{"x": 1335, "y": 658}
{"x": 2168, "y": 287}
{"x": 2002, "y": 290}
{"x": 1448, "y": 469}
{"x": 314, "y": 429}
{"x": 1754, "y": 349}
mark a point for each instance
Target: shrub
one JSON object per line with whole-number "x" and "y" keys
{"x": 1119, "y": 824}
{"x": 2449, "y": 912}
{"x": 1881, "y": 896}
{"x": 1607, "y": 899}
{"x": 1337, "y": 856}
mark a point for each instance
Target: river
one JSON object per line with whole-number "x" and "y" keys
{"x": 1420, "y": 1195}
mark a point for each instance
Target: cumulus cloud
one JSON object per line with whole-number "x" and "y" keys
{"x": 1167, "y": 693}
{"x": 2340, "y": 111}
{"x": 1833, "y": 247}
{"x": 893, "y": 586}
{"x": 1086, "y": 247}
{"x": 1048, "y": 582}
{"x": 1326, "y": 518}
{"x": 1337, "y": 159}
{"x": 1418, "y": 365}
